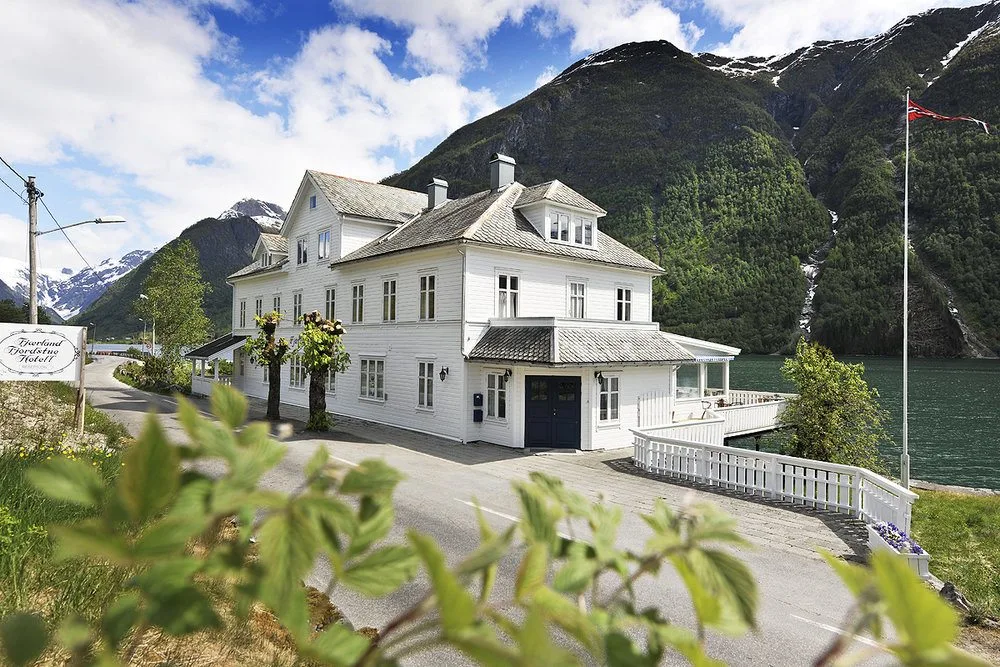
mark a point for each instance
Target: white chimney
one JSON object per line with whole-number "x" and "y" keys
{"x": 437, "y": 192}
{"x": 501, "y": 171}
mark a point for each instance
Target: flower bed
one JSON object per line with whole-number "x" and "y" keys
{"x": 888, "y": 536}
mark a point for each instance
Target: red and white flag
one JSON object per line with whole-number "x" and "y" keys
{"x": 916, "y": 111}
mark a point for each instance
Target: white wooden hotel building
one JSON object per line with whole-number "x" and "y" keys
{"x": 505, "y": 317}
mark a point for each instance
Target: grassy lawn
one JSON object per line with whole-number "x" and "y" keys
{"x": 962, "y": 534}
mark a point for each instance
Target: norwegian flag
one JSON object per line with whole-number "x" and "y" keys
{"x": 915, "y": 111}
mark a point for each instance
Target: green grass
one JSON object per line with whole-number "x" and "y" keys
{"x": 962, "y": 535}
{"x": 30, "y": 574}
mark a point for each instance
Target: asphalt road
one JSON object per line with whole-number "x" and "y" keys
{"x": 802, "y": 601}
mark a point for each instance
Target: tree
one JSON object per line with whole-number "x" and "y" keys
{"x": 836, "y": 415}
{"x": 176, "y": 295}
{"x": 267, "y": 351}
{"x": 11, "y": 312}
{"x": 322, "y": 353}
{"x": 573, "y": 600}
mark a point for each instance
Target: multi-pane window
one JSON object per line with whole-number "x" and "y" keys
{"x": 623, "y": 304}
{"x": 264, "y": 376}
{"x": 258, "y": 307}
{"x": 578, "y": 230}
{"x": 302, "y": 251}
{"x": 496, "y": 396}
{"x": 609, "y": 399}
{"x": 507, "y": 293}
{"x": 577, "y": 300}
{"x": 357, "y": 303}
{"x": 373, "y": 378}
{"x": 331, "y": 302}
{"x": 331, "y": 381}
{"x": 265, "y": 259}
{"x": 323, "y": 248}
{"x": 588, "y": 232}
{"x": 296, "y": 372}
{"x": 296, "y": 306}
{"x": 312, "y": 201}
{"x": 425, "y": 384}
{"x": 428, "y": 286}
{"x": 559, "y": 227}
{"x": 388, "y": 300}
{"x": 243, "y": 313}
{"x": 277, "y": 303}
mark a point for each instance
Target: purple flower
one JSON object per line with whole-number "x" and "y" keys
{"x": 896, "y": 538}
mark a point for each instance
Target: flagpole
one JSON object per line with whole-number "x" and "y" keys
{"x": 904, "y": 459}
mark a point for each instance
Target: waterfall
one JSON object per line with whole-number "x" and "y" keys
{"x": 812, "y": 269}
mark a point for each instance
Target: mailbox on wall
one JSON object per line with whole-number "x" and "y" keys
{"x": 477, "y": 400}
{"x": 477, "y": 415}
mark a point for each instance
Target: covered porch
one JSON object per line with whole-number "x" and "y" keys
{"x": 213, "y": 363}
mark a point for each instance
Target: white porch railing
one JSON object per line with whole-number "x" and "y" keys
{"x": 709, "y": 431}
{"x": 202, "y": 385}
{"x": 826, "y": 486}
{"x": 743, "y": 412}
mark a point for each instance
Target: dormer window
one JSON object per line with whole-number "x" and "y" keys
{"x": 572, "y": 229}
{"x": 265, "y": 259}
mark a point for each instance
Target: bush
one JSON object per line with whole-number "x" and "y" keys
{"x": 155, "y": 374}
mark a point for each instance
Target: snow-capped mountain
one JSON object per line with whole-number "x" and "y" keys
{"x": 263, "y": 213}
{"x": 64, "y": 292}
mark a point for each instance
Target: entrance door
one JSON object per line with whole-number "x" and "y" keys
{"x": 552, "y": 411}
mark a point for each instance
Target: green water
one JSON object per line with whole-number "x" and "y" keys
{"x": 954, "y": 412}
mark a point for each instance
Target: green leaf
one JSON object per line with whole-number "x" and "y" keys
{"x": 531, "y": 573}
{"x": 577, "y": 573}
{"x": 287, "y": 550}
{"x": 167, "y": 537}
{"x": 857, "y": 578}
{"x": 229, "y": 405}
{"x": 193, "y": 498}
{"x": 151, "y": 475}
{"x": 339, "y": 646}
{"x": 69, "y": 480}
{"x": 622, "y": 652}
{"x": 382, "y": 571}
{"x": 685, "y": 643}
{"x": 119, "y": 618}
{"x": 456, "y": 605}
{"x": 482, "y": 646}
{"x": 257, "y": 457}
{"x": 535, "y": 642}
{"x": 375, "y": 528}
{"x": 316, "y": 462}
{"x": 491, "y": 551}
{"x": 24, "y": 638}
{"x": 538, "y": 523}
{"x": 92, "y": 539}
{"x": 173, "y": 602}
{"x": 559, "y": 610}
{"x": 73, "y": 633}
{"x": 923, "y": 621}
{"x": 371, "y": 477}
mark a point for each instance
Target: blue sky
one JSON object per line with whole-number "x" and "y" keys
{"x": 168, "y": 111}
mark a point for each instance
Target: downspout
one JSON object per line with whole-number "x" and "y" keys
{"x": 463, "y": 400}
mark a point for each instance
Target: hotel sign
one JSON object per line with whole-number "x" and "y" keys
{"x": 41, "y": 352}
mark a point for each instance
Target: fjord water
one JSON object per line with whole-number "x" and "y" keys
{"x": 954, "y": 412}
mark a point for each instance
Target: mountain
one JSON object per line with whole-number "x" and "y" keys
{"x": 63, "y": 292}
{"x": 269, "y": 216}
{"x": 770, "y": 189}
{"x": 223, "y": 244}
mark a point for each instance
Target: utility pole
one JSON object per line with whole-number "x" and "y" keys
{"x": 33, "y": 195}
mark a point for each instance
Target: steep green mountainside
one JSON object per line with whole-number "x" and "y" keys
{"x": 223, "y": 247}
{"x": 722, "y": 170}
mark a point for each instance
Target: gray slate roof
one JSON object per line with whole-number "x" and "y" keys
{"x": 370, "y": 200}
{"x": 255, "y": 268}
{"x": 577, "y": 346}
{"x": 490, "y": 218}
{"x": 275, "y": 243}
{"x": 560, "y": 193}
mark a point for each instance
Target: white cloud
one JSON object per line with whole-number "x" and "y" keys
{"x": 769, "y": 27}
{"x": 124, "y": 86}
{"x": 547, "y": 75}
{"x": 450, "y": 35}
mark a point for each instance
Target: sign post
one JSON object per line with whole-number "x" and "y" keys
{"x": 81, "y": 391}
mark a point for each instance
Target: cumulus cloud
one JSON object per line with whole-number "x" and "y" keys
{"x": 768, "y": 27}
{"x": 125, "y": 89}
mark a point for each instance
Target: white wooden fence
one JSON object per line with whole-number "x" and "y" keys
{"x": 826, "y": 486}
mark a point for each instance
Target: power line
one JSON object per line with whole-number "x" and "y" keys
{"x": 23, "y": 179}
{"x": 46, "y": 207}
{"x": 16, "y": 193}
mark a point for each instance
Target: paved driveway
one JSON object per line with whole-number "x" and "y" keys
{"x": 802, "y": 600}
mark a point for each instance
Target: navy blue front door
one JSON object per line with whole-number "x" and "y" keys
{"x": 552, "y": 411}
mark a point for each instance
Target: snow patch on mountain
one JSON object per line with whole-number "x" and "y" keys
{"x": 263, "y": 213}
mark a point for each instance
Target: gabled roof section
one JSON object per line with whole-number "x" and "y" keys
{"x": 490, "y": 218}
{"x": 226, "y": 343}
{"x": 274, "y": 243}
{"x": 370, "y": 200}
{"x": 577, "y": 346}
{"x": 256, "y": 268}
{"x": 559, "y": 193}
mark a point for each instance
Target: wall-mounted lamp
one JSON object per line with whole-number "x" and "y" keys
{"x": 599, "y": 376}
{"x": 443, "y": 374}
{"x": 507, "y": 373}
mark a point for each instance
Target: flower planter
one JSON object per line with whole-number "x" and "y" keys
{"x": 918, "y": 562}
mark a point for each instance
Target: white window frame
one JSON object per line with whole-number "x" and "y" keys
{"x": 609, "y": 399}
{"x": 370, "y": 370}
{"x": 296, "y": 372}
{"x": 258, "y": 306}
{"x": 427, "y": 305}
{"x": 425, "y": 384}
{"x": 243, "y": 314}
{"x": 588, "y": 232}
{"x": 312, "y": 201}
{"x": 358, "y": 303}
{"x": 574, "y": 296}
{"x": 331, "y": 381}
{"x": 302, "y": 251}
{"x": 266, "y": 372}
{"x": 496, "y": 389}
{"x": 623, "y": 303}
{"x": 330, "y": 302}
{"x": 276, "y": 302}
{"x": 508, "y": 299}
{"x": 389, "y": 299}
{"x": 323, "y": 239}
{"x": 296, "y": 306}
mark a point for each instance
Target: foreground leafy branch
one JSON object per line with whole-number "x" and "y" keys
{"x": 574, "y": 598}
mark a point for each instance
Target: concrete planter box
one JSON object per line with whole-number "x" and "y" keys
{"x": 919, "y": 563}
